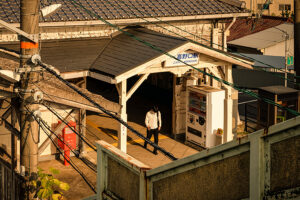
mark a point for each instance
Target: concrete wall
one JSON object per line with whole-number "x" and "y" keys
{"x": 225, "y": 179}
{"x": 263, "y": 165}
{"x": 285, "y": 164}
{"x": 123, "y": 182}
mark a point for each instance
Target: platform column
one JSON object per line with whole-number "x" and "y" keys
{"x": 228, "y": 103}
{"x": 122, "y": 133}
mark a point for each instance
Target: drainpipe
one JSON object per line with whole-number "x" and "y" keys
{"x": 225, "y": 34}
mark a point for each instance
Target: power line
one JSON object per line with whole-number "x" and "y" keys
{"x": 65, "y": 143}
{"x": 61, "y": 119}
{"x": 196, "y": 42}
{"x": 59, "y": 138}
{"x": 61, "y": 153}
{"x": 171, "y": 56}
{"x": 50, "y": 97}
{"x": 168, "y": 154}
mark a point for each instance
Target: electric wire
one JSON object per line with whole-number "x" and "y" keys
{"x": 69, "y": 160}
{"x": 66, "y": 143}
{"x": 201, "y": 38}
{"x": 78, "y": 134}
{"x": 171, "y": 56}
{"x": 50, "y": 97}
{"x": 168, "y": 154}
{"x": 45, "y": 124}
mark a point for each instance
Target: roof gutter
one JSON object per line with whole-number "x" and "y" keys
{"x": 140, "y": 21}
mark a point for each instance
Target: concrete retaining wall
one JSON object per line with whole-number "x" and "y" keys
{"x": 264, "y": 165}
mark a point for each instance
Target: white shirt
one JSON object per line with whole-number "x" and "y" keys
{"x": 151, "y": 119}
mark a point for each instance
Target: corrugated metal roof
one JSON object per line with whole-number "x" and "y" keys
{"x": 266, "y": 61}
{"x": 123, "y": 9}
{"x": 278, "y": 89}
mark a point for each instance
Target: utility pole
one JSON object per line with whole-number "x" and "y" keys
{"x": 297, "y": 40}
{"x": 29, "y": 128}
{"x": 286, "y": 37}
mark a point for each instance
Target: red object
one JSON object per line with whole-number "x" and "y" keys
{"x": 68, "y": 142}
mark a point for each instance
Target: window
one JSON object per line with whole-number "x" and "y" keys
{"x": 283, "y": 7}
{"x": 261, "y": 6}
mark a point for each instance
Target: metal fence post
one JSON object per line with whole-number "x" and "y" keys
{"x": 245, "y": 118}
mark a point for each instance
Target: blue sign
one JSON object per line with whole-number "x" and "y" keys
{"x": 185, "y": 58}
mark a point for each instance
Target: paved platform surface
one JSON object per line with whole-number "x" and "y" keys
{"x": 101, "y": 127}
{"x": 105, "y": 128}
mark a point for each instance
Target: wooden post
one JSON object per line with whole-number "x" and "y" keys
{"x": 122, "y": 133}
{"x": 15, "y": 107}
{"x": 215, "y": 36}
{"x": 29, "y": 131}
{"x": 228, "y": 136}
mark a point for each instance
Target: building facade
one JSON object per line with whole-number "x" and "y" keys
{"x": 283, "y": 8}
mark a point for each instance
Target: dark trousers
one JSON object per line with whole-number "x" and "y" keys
{"x": 149, "y": 135}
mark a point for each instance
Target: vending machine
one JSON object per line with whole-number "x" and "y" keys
{"x": 205, "y": 115}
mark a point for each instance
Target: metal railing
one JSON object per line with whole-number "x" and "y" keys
{"x": 249, "y": 109}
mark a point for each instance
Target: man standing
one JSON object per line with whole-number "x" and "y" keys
{"x": 153, "y": 124}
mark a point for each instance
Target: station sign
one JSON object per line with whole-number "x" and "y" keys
{"x": 190, "y": 58}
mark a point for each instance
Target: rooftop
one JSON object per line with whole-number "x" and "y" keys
{"x": 56, "y": 91}
{"x": 260, "y": 33}
{"x": 123, "y": 9}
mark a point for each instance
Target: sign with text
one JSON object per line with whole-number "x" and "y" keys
{"x": 188, "y": 58}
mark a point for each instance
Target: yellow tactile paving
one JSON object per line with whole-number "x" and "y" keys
{"x": 160, "y": 137}
{"x": 92, "y": 124}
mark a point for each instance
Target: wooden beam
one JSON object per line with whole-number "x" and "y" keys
{"x": 73, "y": 104}
{"x": 118, "y": 88}
{"x": 31, "y": 37}
{"x": 7, "y": 113}
{"x": 11, "y": 128}
{"x": 72, "y": 75}
{"x": 136, "y": 86}
{"x": 136, "y": 20}
{"x": 57, "y": 130}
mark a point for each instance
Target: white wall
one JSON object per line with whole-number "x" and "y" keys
{"x": 279, "y": 49}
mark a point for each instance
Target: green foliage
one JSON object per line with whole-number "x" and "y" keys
{"x": 46, "y": 185}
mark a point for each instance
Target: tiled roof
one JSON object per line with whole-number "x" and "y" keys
{"x": 53, "y": 88}
{"x": 114, "y": 60}
{"x": 123, "y": 9}
{"x": 244, "y": 27}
